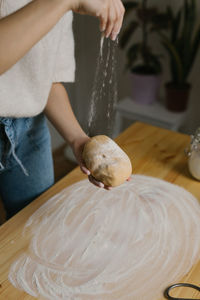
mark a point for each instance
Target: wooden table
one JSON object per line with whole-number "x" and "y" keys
{"x": 153, "y": 151}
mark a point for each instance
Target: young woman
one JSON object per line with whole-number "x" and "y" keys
{"x": 36, "y": 54}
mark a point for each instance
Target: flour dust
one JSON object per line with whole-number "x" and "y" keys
{"x": 104, "y": 90}
{"x": 128, "y": 243}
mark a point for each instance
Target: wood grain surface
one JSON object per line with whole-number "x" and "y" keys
{"x": 153, "y": 151}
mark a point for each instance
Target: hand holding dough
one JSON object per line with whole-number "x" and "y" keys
{"x": 107, "y": 162}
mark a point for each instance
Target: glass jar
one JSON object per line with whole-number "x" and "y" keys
{"x": 194, "y": 155}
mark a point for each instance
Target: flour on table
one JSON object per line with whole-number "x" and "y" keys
{"x": 127, "y": 243}
{"x": 111, "y": 149}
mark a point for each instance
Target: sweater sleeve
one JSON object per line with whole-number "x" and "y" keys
{"x": 65, "y": 61}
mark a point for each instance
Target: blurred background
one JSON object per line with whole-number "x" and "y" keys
{"x": 158, "y": 39}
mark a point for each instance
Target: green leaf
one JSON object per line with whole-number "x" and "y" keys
{"x": 191, "y": 19}
{"x": 170, "y": 12}
{"x": 185, "y": 46}
{"x": 128, "y": 33}
{"x": 174, "y": 56}
{"x": 195, "y": 47}
{"x": 175, "y": 26}
{"x": 186, "y": 9}
{"x": 188, "y": 46}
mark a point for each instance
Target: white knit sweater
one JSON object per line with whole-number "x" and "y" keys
{"x": 25, "y": 87}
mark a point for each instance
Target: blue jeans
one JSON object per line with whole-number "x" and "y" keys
{"x": 26, "y": 165}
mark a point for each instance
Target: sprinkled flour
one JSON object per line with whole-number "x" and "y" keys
{"x": 128, "y": 243}
{"x": 104, "y": 90}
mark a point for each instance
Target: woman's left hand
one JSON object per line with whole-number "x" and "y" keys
{"x": 77, "y": 148}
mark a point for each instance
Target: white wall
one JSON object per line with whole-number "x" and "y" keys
{"x": 87, "y": 40}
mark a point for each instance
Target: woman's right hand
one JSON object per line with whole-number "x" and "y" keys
{"x": 109, "y": 12}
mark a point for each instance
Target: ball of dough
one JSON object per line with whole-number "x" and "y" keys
{"x": 106, "y": 161}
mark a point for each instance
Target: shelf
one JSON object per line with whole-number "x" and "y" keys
{"x": 154, "y": 114}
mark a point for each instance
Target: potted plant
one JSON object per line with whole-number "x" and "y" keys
{"x": 181, "y": 42}
{"x": 144, "y": 64}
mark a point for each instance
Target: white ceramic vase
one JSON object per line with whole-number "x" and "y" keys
{"x": 194, "y": 164}
{"x": 145, "y": 88}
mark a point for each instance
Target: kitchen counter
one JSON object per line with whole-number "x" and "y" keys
{"x": 153, "y": 151}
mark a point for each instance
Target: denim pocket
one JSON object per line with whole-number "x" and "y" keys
{"x": 4, "y": 146}
{"x": 37, "y": 131}
{"x": 2, "y": 142}
{"x": 9, "y": 133}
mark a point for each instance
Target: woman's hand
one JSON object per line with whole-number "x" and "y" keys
{"x": 77, "y": 148}
{"x": 109, "y": 12}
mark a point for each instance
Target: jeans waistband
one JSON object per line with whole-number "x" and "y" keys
{"x": 6, "y": 121}
{"x": 9, "y": 131}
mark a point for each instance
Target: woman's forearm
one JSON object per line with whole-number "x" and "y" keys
{"x": 24, "y": 28}
{"x": 21, "y": 30}
{"x": 58, "y": 110}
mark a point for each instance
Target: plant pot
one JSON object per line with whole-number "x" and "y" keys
{"x": 177, "y": 96}
{"x": 145, "y": 87}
